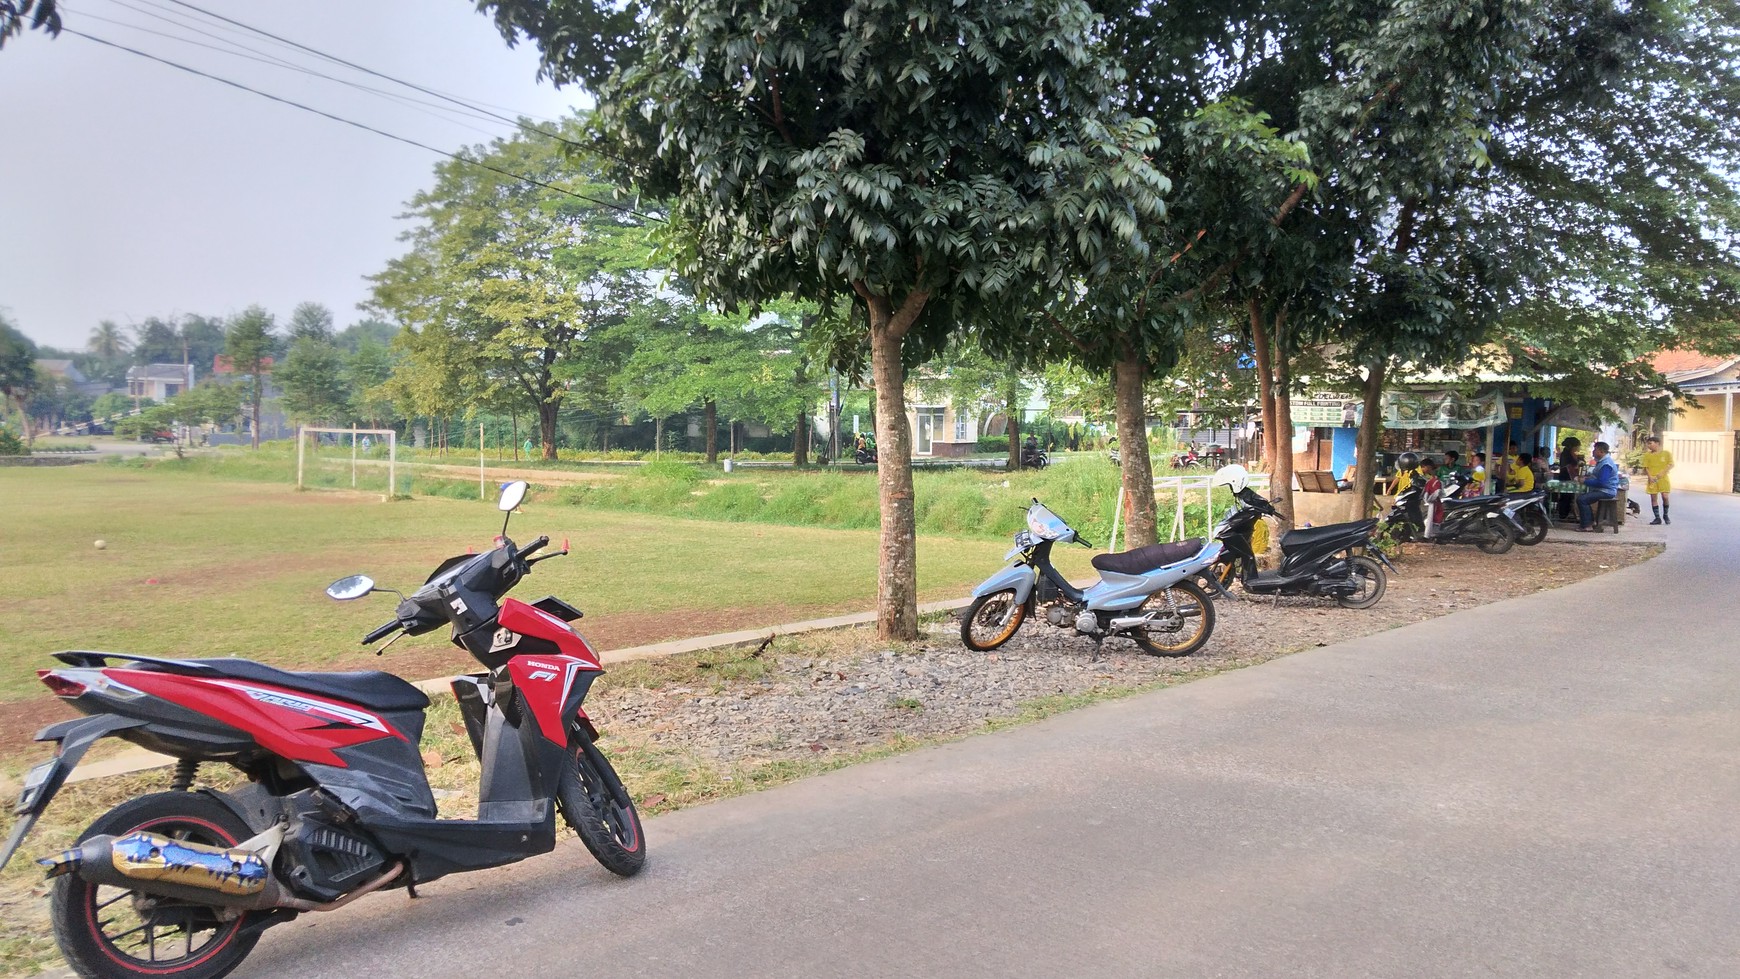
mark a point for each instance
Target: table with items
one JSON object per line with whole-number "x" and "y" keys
{"x": 1562, "y": 498}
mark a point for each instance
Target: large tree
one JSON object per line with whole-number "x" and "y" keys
{"x": 249, "y": 346}
{"x": 18, "y": 15}
{"x": 18, "y": 377}
{"x": 912, "y": 157}
{"x": 519, "y": 272}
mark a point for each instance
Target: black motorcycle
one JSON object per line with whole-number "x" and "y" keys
{"x": 864, "y": 452}
{"x": 1337, "y": 561}
{"x": 1483, "y": 521}
{"x": 1529, "y": 510}
{"x": 1033, "y": 457}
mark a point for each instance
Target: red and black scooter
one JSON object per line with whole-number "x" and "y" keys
{"x": 337, "y": 805}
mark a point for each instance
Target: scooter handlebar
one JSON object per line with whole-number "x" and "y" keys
{"x": 380, "y": 633}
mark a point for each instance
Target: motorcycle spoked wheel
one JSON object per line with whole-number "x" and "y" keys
{"x": 1188, "y": 621}
{"x": 1535, "y": 527}
{"x": 114, "y": 933}
{"x": 595, "y": 805}
{"x": 992, "y": 620}
{"x": 1372, "y": 582}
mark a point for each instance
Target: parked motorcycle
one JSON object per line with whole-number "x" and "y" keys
{"x": 1529, "y": 510}
{"x": 864, "y": 451}
{"x": 337, "y": 804}
{"x": 1033, "y": 457}
{"x": 1337, "y": 560}
{"x": 1482, "y": 521}
{"x": 1185, "y": 459}
{"x": 1147, "y": 595}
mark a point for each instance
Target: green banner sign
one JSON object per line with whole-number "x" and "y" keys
{"x": 1442, "y": 409}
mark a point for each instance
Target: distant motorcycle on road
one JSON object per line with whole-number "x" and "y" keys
{"x": 1148, "y": 595}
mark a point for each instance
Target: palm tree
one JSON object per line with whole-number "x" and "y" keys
{"x": 108, "y": 342}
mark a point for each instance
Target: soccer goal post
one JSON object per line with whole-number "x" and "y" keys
{"x": 356, "y": 434}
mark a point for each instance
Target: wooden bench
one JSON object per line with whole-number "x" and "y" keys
{"x": 1317, "y": 481}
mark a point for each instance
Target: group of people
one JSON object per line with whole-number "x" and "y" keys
{"x": 1521, "y": 472}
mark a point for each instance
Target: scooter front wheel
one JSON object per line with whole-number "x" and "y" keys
{"x": 992, "y": 620}
{"x": 1184, "y": 619}
{"x": 595, "y": 805}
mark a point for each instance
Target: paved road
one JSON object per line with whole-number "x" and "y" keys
{"x": 1542, "y": 787}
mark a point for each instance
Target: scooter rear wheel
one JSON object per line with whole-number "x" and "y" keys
{"x": 1195, "y": 617}
{"x": 112, "y": 933}
{"x": 595, "y": 805}
{"x": 992, "y": 620}
{"x": 1499, "y": 537}
{"x": 1372, "y": 582}
{"x": 1535, "y": 527}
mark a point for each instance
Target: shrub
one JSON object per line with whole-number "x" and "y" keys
{"x": 992, "y": 443}
{"x": 669, "y": 469}
{"x": 10, "y": 444}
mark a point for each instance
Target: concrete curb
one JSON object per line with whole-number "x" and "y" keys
{"x": 139, "y": 760}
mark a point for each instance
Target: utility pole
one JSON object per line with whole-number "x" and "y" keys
{"x": 834, "y": 416}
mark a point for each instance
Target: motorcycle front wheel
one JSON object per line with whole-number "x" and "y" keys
{"x": 1535, "y": 526}
{"x": 115, "y": 933}
{"x": 1184, "y": 620}
{"x": 595, "y": 805}
{"x": 1498, "y": 537}
{"x": 992, "y": 620}
{"x": 1369, "y": 576}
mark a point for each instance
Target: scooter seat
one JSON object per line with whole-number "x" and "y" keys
{"x": 1474, "y": 501}
{"x": 370, "y": 688}
{"x": 1145, "y": 559}
{"x": 1305, "y": 536}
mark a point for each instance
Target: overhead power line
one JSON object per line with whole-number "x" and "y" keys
{"x": 520, "y": 123}
{"x": 367, "y": 128}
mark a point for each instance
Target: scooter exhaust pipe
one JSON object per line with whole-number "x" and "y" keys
{"x": 195, "y": 872}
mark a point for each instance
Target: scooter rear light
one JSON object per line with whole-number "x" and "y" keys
{"x": 61, "y": 686}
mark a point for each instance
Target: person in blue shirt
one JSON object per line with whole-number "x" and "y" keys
{"x": 1601, "y": 482}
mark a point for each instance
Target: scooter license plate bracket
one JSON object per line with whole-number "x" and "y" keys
{"x": 34, "y": 780}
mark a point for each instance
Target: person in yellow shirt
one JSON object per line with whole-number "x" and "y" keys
{"x": 1657, "y": 463}
{"x": 1522, "y": 475}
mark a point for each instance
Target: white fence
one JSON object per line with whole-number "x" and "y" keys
{"x": 1702, "y": 460}
{"x": 1181, "y": 488}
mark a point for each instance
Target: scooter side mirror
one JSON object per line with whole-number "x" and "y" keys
{"x": 512, "y": 495}
{"x": 346, "y": 589}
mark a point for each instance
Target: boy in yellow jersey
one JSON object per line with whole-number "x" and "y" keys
{"x": 1522, "y": 475}
{"x": 1657, "y": 463}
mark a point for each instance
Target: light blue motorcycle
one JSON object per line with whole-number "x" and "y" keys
{"x": 1149, "y": 595}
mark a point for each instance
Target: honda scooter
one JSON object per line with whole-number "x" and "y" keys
{"x": 1337, "y": 560}
{"x": 182, "y": 883}
{"x": 1147, "y": 595}
{"x": 1482, "y": 520}
{"x": 1529, "y": 510}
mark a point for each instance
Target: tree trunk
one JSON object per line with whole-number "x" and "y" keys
{"x": 1366, "y": 447}
{"x": 712, "y": 423}
{"x": 1281, "y": 476}
{"x": 259, "y": 396}
{"x": 547, "y": 428}
{"x": 1137, "y": 469}
{"x": 1014, "y": 403}
{"x": 800, "y": 440}
{"x": 516, "y": 438}
{"x": 1265, "y": 382}
{"x": 897, "y": 573}
{"x": 658, "y": 436}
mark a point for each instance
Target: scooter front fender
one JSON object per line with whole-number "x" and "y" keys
{"x": 1019, "y": 577}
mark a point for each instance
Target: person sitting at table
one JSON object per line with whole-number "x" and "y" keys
{"x": 1602, "y": 483}
{"x": 1522, "y": 475}
{"x": 1453, "y": 471}
{"x": 1569, "y": 470}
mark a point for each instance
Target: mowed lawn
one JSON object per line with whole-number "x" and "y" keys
{"x": 202, "y": 567}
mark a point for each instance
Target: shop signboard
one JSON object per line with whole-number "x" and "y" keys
{"x": 1442, "y": 409}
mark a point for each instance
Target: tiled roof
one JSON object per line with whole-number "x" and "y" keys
{"x": 1679, "y": 365}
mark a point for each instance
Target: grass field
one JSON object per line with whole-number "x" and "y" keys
{"x": 201, "y": 566}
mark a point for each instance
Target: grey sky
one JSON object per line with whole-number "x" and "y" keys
{"x": 131, "y": 189}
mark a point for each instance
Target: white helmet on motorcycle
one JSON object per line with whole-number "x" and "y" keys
{"x": 1233, "y": 477}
